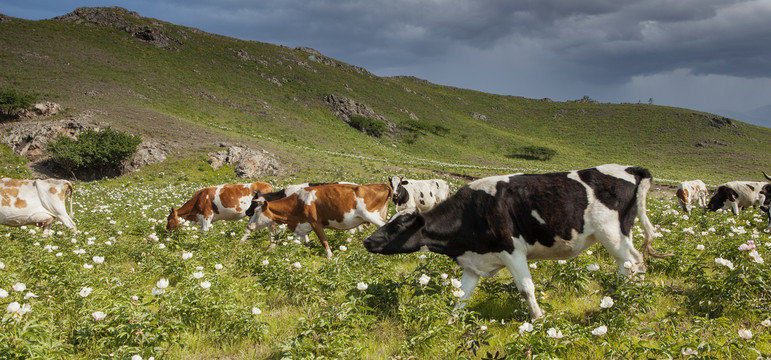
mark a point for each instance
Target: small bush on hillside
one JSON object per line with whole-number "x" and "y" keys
{"x": 535, "y": 152}
{"x": 12, "y": 102}
{"x": 421, "y": 127}
{"x": 94, "y": 152}
{"x": 369, "y": 126}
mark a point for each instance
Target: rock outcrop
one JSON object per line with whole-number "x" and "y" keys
{"x": 344, "y": 108}
{"x": 129, "y": 21}
{"x": 30, "y": 139}
{"x": 249, "y": 164}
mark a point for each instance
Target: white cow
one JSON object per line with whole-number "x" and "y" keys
{"x": 692, "y": 191}
{"x": 418, "y": 195}
{"x": 35, "y": 202}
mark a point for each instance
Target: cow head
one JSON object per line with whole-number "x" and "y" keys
{"x": 402, "y": 234}
{"x": 257, "y": 200}
{"x": 722, "y": 198}
{"x": 172, "y": 221}
{"x": 260, "y": 211}
{"x": 401, "y": 195}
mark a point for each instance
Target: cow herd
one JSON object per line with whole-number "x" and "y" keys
{"x": 488, "y": 224}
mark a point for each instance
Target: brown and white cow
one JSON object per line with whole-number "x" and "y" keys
{"x": 38, "y": 202}
{"x": 692, "y": 191}
{"x": 214, "y": 203}
{"x": 276, "y": 195}
{"x": 504, "y": 221}
{"x": 334, "y": 206}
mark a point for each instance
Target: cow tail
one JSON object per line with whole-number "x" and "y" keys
{"x": 70, "y": 195}
{"x": 649, "y": 232}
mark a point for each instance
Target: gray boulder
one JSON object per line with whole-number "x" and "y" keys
{"x": 248, "y": 163}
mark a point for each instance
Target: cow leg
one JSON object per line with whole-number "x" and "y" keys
{"x": 468, "y": 282}
{"x": 46, "y": 225}
{"x": 516, "y": 262}
{"x": 622, "y": 249}
{"x": 319, "y": 230}
{"x": 249, "y": 228}
{"x": 735, "y": 208}
{"x": 272, "y": 230}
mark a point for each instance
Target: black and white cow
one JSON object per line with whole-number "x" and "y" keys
{"x": 504, "y": 221}
{"x": 736, "y": 195}
{"x": 418, "y": 195}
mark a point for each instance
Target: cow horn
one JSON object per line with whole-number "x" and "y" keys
{"x": 767, "y": 177}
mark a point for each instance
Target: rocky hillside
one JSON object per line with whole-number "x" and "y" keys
{"x": 191, "y": 91}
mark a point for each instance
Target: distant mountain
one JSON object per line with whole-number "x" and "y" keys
{"x": 325, "y": 118}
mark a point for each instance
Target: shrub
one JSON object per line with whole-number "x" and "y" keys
{"x": 535, "y": 152}
{"x": 369, "y": 126}
{"x": 12, "y": 102}
{"x": 99, "y": 152}
{"x": 421, "y": 127}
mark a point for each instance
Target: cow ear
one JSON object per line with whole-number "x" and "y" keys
{"x": 171, "y": 211}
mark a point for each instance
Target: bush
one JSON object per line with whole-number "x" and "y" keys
{"x": 535, "y": 152}
{"x": 369, "y": 126}
{"x": 12, "y": 102}
{"x": 94, "y": 152}
{"x": 421, "y": 127}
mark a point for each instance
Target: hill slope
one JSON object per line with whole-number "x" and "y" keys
{"x": 192, "y": 89}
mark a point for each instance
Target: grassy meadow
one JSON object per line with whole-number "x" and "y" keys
{"x": 123, "y": 287}
{"x": 225, "y": 300}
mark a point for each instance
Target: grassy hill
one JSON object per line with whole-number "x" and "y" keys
{"x": 191, "y": 89}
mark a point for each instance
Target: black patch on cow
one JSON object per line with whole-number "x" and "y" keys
{"x": 401, "y": 196}
{"x": 422, "y": 202}
{"x": 722, "y": 194}
{"x": 271, "y": 196}
{"x": 752, "y": 188}
{"x": 473, "y": 220}
{"x": 617, "y": 194}
{"x": 430, "y": 194}
{"x": 421, "y": 195}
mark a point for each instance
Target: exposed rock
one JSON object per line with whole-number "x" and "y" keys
{"x": 343, "y": 108}
{"x": 248, "y": 163}
{"x": 721, "y": 122}
{"x": 478, "y": 116}
{"x": 29, "y": 138}
{"x": 122, "y": 19}
{"x": 148, "y": 152}
{"x": 5, "y": 18}
{"x": 309, "y": 50}
{"x": 45, "y": 108}
{"x": 710, "y": 142}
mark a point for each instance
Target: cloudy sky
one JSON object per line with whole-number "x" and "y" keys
{"x": 709, "y": 55}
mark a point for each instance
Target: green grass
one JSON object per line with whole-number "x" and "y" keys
{"x": 317, "y": 310}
